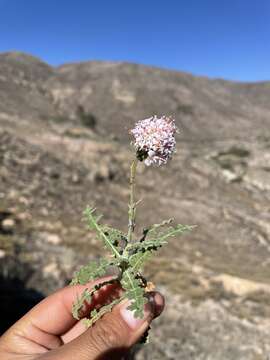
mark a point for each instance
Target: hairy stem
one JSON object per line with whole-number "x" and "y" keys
{"x": 132, "y": 203}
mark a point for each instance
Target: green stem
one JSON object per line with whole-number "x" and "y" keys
{"x": 132, "y": 203}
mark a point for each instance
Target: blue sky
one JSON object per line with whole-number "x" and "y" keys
{"x": 217, "y": 38}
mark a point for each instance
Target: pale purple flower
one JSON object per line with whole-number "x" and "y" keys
{"x": 154, "y": 139}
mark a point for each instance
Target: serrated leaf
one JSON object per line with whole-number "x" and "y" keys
{"x": 156, "y": 237}
{"x": 97, "y": 314}
{"x": 162, "y": 224}
{"x": 93, "y": 223}
{"x": 171, "y": 231}
{"x": 91, "y": 271}
{"x": 79, "y": 303}
{"x": 138, "y": 260}
{"x": 116, "y": 236}
{"x": 147, "y": 245}
{"x": 86, "y": 296}
{"x": 134, "y": 292}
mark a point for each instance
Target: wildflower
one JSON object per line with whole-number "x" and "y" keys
{"x": 154, "y": 140}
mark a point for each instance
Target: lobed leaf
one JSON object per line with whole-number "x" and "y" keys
{"x": 79, "y": 303}
{"x": 116, "y": 236}
{"x": 138, "y": 260}
{"x": 86, "y": 296}
{"x": 154, "y": 238}
{"x": 93, "y": 223}
{"x": 134, "y": 292}
{"x": 171, "y": 231}
{"x": 91, "y": 271}
{"x": 97, "y": 314}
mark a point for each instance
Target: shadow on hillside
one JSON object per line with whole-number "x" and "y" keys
{"x": 15, "y": 301}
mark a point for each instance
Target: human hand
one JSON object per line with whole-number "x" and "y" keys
{"x": 49, "y": 331}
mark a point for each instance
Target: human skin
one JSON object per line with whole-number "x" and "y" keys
{"x": 49, "y": 331}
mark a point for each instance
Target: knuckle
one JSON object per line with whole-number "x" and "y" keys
{"x": 108, "y": 333}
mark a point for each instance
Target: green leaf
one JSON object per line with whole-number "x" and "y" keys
{"x": 93, "y": 223}
{"x": 86, "y": 296}
{"x": 164, "y": 223}
{"x": 138, "y": 260}
{"x": 79, "y": 303}
{"x": 134, "y": 292}
{"x": 91, "y": 271}
{"x": 154, "y": 238}
{"x": 171, "y": 231}
{"x": 97, "y": 314}
{"x": 147, "y": 245}
{"x": 116, "y": 236}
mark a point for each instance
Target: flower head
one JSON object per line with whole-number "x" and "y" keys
{"x": 154, "y": 139}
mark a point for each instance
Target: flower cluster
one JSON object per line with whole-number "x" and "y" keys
{"x": 154, "y": 139}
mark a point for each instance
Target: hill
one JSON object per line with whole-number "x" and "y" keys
{"x": 64, "y": 144}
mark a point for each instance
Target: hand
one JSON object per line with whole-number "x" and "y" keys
{"x": 49, "y": 331}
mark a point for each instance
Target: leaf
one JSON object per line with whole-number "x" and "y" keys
{"x": 97, "y": 314}
{"x": 134, "y": 292}
{"x": 86, "y": 296}
{"x": 156, "y": 237}
{"x": 138, "y": 260}
{"x": 147, "y": 245}
{"x": 116, "y": 236}
{"x": 171, "y": 231}
{"x": 93, "y": 223}
{"x": 162, "y": 224}
{"x": 91, "y": 271}
{"x": 79, "y": 303}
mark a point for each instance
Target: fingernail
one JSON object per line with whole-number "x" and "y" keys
{"x": 157, "y": 302}
{"x": 133, "y": 322}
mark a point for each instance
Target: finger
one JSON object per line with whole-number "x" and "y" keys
{"x": 105, "y": 295}
{"x": 79, "y": 328}
{"x": 52, "y": 317}
{"x": 113, "y": 335}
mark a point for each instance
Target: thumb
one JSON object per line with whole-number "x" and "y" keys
{"x": 114, "y": 334}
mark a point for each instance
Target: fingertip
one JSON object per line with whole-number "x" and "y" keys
{"x": 157, "y": 301}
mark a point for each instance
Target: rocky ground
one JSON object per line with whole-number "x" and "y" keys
{"x": 216, "y": 279}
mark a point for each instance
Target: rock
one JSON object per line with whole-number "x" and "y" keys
{"x": 23, "y": 200}
{"x": 44, "y": 211}
{"x": 121, "y": 94}
{"x": 13, "y": 194}
{"x": 229, "y": 175}
{"x": 54, "y": 239}
{"x": 102, "y": 173}
{"x": 238, "y": 286}
{"x": 50, "y": 238}
{"x": 259, "y": 178}
{"x": 77, "y": 132}
{"x": 51, "y": 270}
{"x": 207, "y": 331}
{"x": 75, "y": 178}
{"x": 8, "y": 225}
{"x": 2, "y": 254}
{"x": 24, "y": 216}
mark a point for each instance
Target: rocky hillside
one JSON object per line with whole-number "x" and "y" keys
{"x": 64, "y": 143}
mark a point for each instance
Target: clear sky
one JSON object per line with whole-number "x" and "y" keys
{"x": 218, "y": 38}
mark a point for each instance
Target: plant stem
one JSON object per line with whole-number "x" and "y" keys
{"x": 132, "y": 203}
